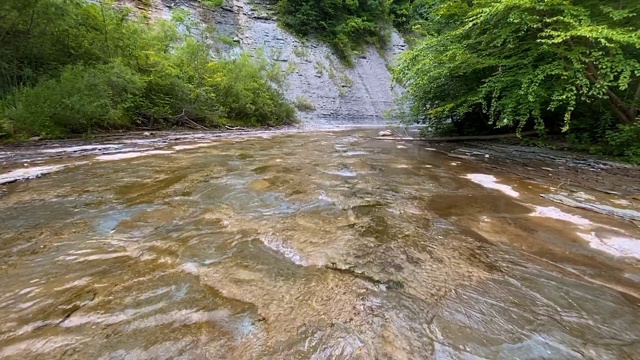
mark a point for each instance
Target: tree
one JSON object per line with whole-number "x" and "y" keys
{"x": 344, "y": 24}
{"x": 514, "y": 61}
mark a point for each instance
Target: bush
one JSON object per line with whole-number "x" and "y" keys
{"x": 345, "y": 25}
{"x": 5, "y": 128}
{"x": 625, "y": 142}
{"x": 81, "y": 100}
{"x": 303, "y": 104}
{"x": 104, "y": 69}
{"x": 212, "y": 3}
{"x": 245, "y": 96}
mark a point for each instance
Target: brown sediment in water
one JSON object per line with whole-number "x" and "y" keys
{"x": 318, "y": 245}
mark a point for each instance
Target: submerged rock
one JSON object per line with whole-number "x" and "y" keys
{"x": 259, "y": 185}
{"x": 28, "y": 173}
{"x": 595, "y": 207}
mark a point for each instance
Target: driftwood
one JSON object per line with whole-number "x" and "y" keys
{"x": 235, "y": 128}
{"x": 188, "y": 122}
{"x": 457, "y": 138}
{"x": 181, "y": 119}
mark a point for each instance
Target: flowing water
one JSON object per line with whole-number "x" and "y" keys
{"x": 326, "y": 245}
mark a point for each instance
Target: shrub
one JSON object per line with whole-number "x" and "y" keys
{"x": 244, "y": 95}
{"x": 82, "y": 99}
{"x": 103, "y": 68}
{"x": 212, "y": 3}
{"x": 625, "y": 142}
{"x": 303, "y": 104}
{"x": 344, "y": 25}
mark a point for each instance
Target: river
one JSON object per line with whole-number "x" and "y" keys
{"x": 322, "y": 245}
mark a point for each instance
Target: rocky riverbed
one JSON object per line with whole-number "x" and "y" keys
{"x": 325, "y": 244}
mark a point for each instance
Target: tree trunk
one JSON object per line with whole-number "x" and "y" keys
{"x": 636, "y": 102}
{"x": 626, "y": 113}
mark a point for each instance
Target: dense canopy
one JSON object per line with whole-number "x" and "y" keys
{"x": 556, "y": 64}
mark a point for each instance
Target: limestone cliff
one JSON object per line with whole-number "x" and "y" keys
{"x": 340, "y": 95}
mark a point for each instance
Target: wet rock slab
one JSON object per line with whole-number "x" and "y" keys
{"x": 303, "y": 245}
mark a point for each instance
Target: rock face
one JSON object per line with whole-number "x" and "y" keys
{"x": 340, "y": 95}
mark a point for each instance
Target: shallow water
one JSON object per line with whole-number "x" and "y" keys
{"x": 320, "y": 245}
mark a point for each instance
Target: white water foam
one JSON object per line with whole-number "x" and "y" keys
{"x": 80, "y": 148}
{"x": 131, "y": 155}
{"x": 194, "y": 146}
{"x": 343, "y": 172}
{"x": 277, "y": 245}
{"x": 555, "y": 213}
{"x": 354, "y": 153}
{"x": 614, "y": 245}
{"x": 490, "y": 181}
{"x": 190, "y": 268}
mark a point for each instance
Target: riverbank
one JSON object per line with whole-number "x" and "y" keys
{"x": 567, "y": 169}
{"x": 32, "y": 159}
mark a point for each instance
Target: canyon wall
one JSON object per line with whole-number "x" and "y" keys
{"x": 339, "y": 95}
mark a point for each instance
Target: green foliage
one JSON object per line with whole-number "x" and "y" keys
{"x": 345, "y": 25}
{"x": 146, "y": 3}
{"x": 519, "y": 62}
{"x": 402, "y": 14}
{"x": 212, "y": 3}
{"x": 301, "y": 52}
{"x": 624, "y": 142}
{"x": 273, "y": 68}
{"x": 71, "y": 66}
{"x": 245, "y": 95}
{"x": 303, "y": 104}
{"x": 346, "y": 80}
{"x": 319, "y": 67}
{"x": 6, "y": 128}
{"x": 81, "y": 99}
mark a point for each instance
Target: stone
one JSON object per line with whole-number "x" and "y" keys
{"x": 259, "y": 184}
{"x": 385, "y": 133}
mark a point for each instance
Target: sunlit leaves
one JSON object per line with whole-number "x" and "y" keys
{"x": 523, "y": 60}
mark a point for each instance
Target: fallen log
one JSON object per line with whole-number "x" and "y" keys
{"x": 190, "y": 123}
{"x": 182, "y": 118}
{"x": 235, "y": 128}
{"x": 458, "y": 138}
